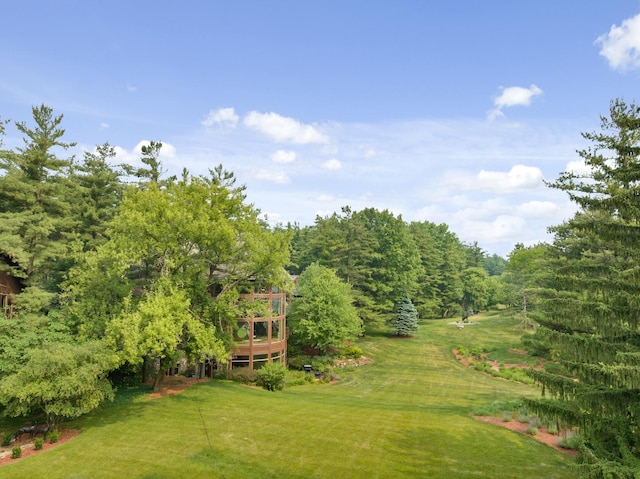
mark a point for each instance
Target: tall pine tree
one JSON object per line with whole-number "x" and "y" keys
{"x": 589, "y": 314}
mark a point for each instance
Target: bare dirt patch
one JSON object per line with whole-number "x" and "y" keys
{"x": 173, "y": 385}
{"x": 542, "y": 435}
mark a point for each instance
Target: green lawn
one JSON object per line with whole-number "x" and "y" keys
{"x": 405, "y": 415}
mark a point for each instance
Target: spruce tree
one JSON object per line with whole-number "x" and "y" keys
{"x": 406, "y": 320}
{"x": 589, "y": 315}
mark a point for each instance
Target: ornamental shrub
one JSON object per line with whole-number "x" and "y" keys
{"x": 16, "y": 452}
{"x": 38, "y": 443}
{"x": 271, "y": 376}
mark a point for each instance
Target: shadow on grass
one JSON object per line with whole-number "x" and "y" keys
{"x": 228, "y": 466}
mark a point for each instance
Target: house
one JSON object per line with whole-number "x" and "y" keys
{"x": 8, "y": 287}
{"x": 261, "y": 338}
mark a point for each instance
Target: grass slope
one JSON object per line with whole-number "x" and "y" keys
{"x": 405, "y": 415}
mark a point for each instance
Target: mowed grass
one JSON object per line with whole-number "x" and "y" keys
{"x": 405, "y": 415}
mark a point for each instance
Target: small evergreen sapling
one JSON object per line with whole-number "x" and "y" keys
{"x": 406, "y": 321}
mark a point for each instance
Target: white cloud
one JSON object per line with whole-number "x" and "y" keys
{"x": 284, "y": 129}
{"x": 132, "y": 89}
{"x": 538, "y": 209}
{"x": 282, "y": 156}
{"x": 512, "y": 96}
{"x": 621, "y": 46}
{"x": 324, "y": 198}
{"x": 104, "y": 126}
{"x": 518, "y": 178}
{"x": 279, "y": 177}
{"x": 578, "y": 167}
{"x": 332, "y": 164}
{"x": 225, "y": 117}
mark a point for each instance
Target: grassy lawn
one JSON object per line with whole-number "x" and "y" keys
{"x": 405, "y": 415}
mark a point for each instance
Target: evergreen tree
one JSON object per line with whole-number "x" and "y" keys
{"x": 589, "y": 314}
{"x": 35, "y": 197}
{"x": 100, "y": 191}
{"x": 406, "y": 320}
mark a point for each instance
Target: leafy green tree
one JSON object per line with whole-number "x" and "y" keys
{"x": 197, "y": 235}
{"x": 35, "y": 197}
{"x": 475, "y": 289}
{"x": 406, "y": 320}
{"x": 494, "y": 264}
{"x": 160, "y": 328}
{"x": 589, "y": 315}
{"x": 59, "y": 379}
{"x": 322, "y": 314}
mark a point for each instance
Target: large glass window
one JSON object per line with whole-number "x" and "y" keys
{"x": 276, "y": 330}
{"x": 260, "y": 331}
{"x": 242, "y": 332}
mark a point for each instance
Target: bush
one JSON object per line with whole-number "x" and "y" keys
{"x": 53, "y": 436}
{"x": 532, "y": 430}
{"x": 16, "y": 452}
{"x": 570, "y": 441}
{"x": 38, "y": 443}
{"x": 271, "y": 376}
{"x": 243, "y": 375}
{"x": 352, "y": 352}
{"x": 6, "y": 439}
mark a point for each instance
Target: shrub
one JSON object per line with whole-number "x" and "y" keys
{"x": 271, "y": 376}
{"x": 53, "y": 436}
{"x": 243, "y": 375}
{"x": 532, "y": 430}
{"x": 6, "y": 439}
{"x": 38, "y": 443}
{"x": 352, "y": 352}
{"x": 570, "y": 441}
{"x": 16, "y": 452}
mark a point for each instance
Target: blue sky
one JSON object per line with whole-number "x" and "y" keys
{"x": 445, "y": 111}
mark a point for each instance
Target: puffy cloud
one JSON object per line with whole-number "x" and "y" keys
{"x": 225, "y": 117}
{"x": 538, "y": 209}
{"x": 104, "y": 125}
{"x": 282, "y": 156}
{"x": 332, "y": 164}
{"x": 279, "y": 177}
{"x": 284, "y": 129}
{"x": 519, "y": 177}
{"x": 621, "y": 46}
{"x": 513, "y": 96}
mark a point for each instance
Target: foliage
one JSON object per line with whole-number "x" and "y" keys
{"x": 53, "y": 436}
{"x": 351, "y": 352}
{"x": 322, "y": 314}
{"x": 16, "y": 452}
{"x": 59, "y": 380}
{"x": 475, "y": 289}
{"x": 590, "y": 311}
{"x": 271, "y": 376}
{"x": 6, "y": 439}
{"x": 35, "y": 199}
{"x": 38, "y": 443}
{"x": 406, "y": 320}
